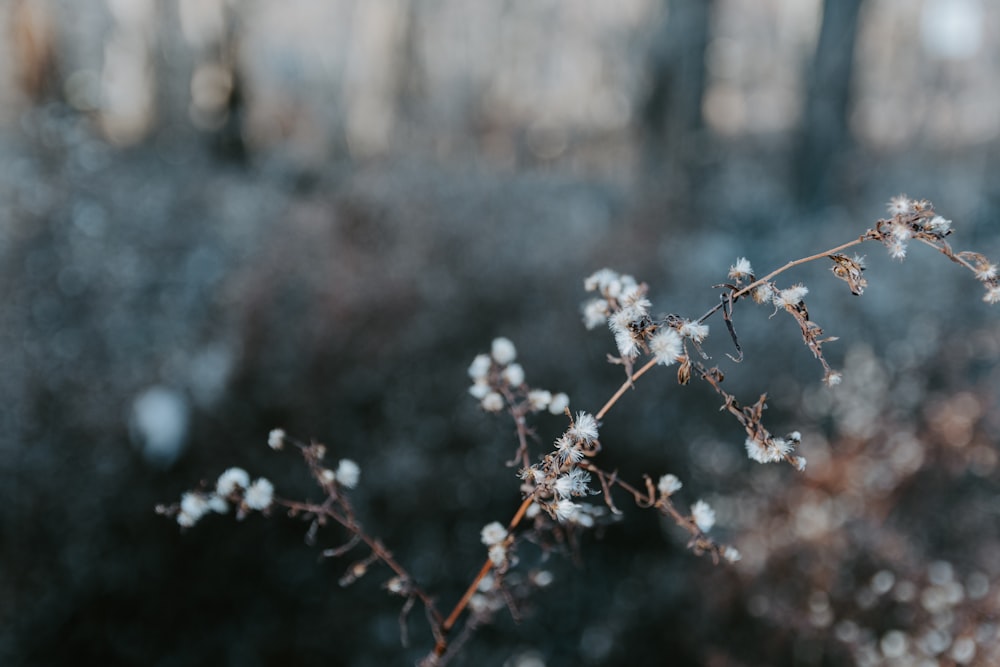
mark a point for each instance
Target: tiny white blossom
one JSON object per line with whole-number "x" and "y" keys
{"x": 800, "y": 463}
{"x": 497, "y": 554}
{"x": 900, "y": 205}
{"x": 492, "y": 402}
{"x": 619, "y": 325}
{"x": 568, "y": 450}
{"x": 897, "y": 249}
{"x": 348, "y": 473}
{"x": 539, "y": 399}
{"x": 939, "y": 225}
{"x": 763, "y": 293}
{"x": 514, "y": 374}
{"x": 741, "y": 269}
{"x": 669, "y": 485}
{"x": 480, "y": 367}
{"x": 584, "y": 428}
{"x": 328, "y": 476}
{"x": 600, "y": 280}
{"x": 276, "y": 439}
{"x": 186, "y": 520}
{"x": 731, "y": 554}
{"x": 703, "y": 515}
{"x": 666, "y": 346}
{"x": 194, "y": 505}
{"x": 791, "y": 297}
{"x": 217, "y": 504}
{"x": 986, "y": 272}
{"x": 595, "y": 313}
{"x": 627, "y": 347}
{"x": 493, "y": 533}
{"x": 479, "y": 389}
{"x": 565, "y": 509}
{"x": 634, "y": 297}
{"x": 503, "y": 351}
{"x": 833, "y": 378}
{"x": 757, "y": 451}
{"x": 574, "y": 483}
{"x": 992, "y": 294}
{"x": 231, "y": 480}
{"x": 543, "y": 578}
{"x": 559, "y": 403}
{"x": 260, "y": 495}
{"x": 695, "y": 331}
{"x": 767, "y": 452}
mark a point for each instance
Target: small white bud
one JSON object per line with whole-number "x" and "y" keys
{"x": 503, "y": 351}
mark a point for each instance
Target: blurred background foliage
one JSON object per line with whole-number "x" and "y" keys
{"x": 221, "y": 217}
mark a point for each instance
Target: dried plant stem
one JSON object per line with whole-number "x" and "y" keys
{"x": 449, "y": 623}
{"x": 377, "y": 548}
{"x": 622, "y": 389}
{"x": 796, "y": 262}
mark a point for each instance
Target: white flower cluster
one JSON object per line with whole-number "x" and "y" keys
{"x": 233, "y": 485}
{"x": 496, "y": 374}
{"x": 624, "y": 307}
{"x": 703, "y": 515}
{"x": 494, "y": 536}
{"x": 557, "y": 479}
{"x": 772, "y": 450}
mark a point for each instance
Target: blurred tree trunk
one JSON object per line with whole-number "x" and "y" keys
{"x": 825, "y": 136}
{"x": 671, "y": 108}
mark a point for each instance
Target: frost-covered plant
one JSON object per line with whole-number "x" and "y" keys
{"x": 557, "y": 486}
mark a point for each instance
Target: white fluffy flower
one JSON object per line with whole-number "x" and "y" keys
{"x": 503, "y": 351}
{"x": 703, "y": 515}
{"x": 666, "y": 346}
{"x": 492, "y": 402}
{"x": 217, "y": 504}
{"x": 574, "y": 483}
{"x": 480, "y": 367}
{"x": 493, "y": 533}
{"x": 619, "y": 325}
{"x": 568, "y": 449}
{"x": 600, "y": 280}
{"x": 559, "y": 403}
{"x": 595, "y": 313}
{"x": 695, "y": 331}
{"x": 231, "y": 480}
{"x": 260, "y": 495}
{"x": 767, "y": 452}
{"x": 584, "y": 428}
{"x": 348, "y": 473}
{"x": 731, "y": 554}
{"x": 899, "y": 205}
{"x": 833, "y": 378}
{"x": 195, "y": 505}
{"x": 539, "y": 399}
{"x": 514, "y": 374}
{"x": 992, "y": 295}
{"x": 791, "y": 297}
{"x": 741, "y": 269}
{"x": 497, "y": 554}
{"x": 479, "y": 389}
{"x": 669, "y": 485}
{"x": 276, "y": 439}
{"x": 939, "y": 225}
{"x": 565, "y": 509}
{"x": 986, "y": 272}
